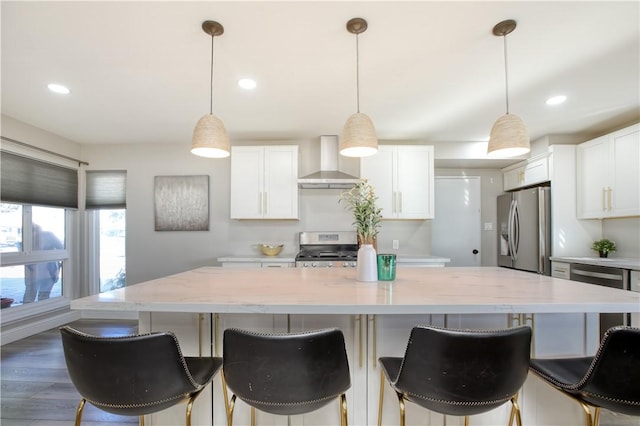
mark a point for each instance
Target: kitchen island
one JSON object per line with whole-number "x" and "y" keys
{"x": 375, "y": 317}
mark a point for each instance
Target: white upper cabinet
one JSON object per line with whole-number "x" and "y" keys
{"x": 264, "y": 182}
{"x": 608, "y": 175}
{"x": 403, "y": 178}
{"x": 526, "y": 173}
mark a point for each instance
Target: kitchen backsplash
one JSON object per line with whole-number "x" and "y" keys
{"x": 320, "y": 211}
{"x": 626, "y": 233}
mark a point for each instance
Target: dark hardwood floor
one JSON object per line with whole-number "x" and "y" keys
{"x": 36, "y": 389}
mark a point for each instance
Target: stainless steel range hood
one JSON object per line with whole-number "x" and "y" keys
{"x": 328, "y": 177}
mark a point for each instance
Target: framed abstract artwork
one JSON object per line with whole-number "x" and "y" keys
{"x": 181, "y": 203}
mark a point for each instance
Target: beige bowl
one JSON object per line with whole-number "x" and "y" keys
{"x": 269, "y": 250}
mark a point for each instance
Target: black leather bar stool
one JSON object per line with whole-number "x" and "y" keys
{"x": 134, "y": 375}
{"x": 610, "y": 379}
{"x": 459, "y": 372}
{"x": 286, "y": 374}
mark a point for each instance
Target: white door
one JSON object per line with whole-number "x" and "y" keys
{"x": 455, "y": 230}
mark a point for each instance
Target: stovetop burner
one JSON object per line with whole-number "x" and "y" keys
{"x": 327, "y": 249}
{"x": 327, "y": 255}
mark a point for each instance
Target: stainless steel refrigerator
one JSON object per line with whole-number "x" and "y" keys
{"x": 524, "y": 225}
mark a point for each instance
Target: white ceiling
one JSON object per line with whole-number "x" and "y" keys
{"x": 429, "y": 71}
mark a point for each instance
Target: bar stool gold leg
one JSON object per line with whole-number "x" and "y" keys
{"x": 253, "y": 416}
{"x": 141, "y": 420}
{"x": 596, "y": 417}
{"x": 380, "y": 399}
{"x": 466, "y": 420}
{"x": 515, "y": 410}
{"x": 587, "y": 413}
{"x": 343, "y": 410}
{"x": 512, "y": 413}
{"x": 79, "y": 411}
{"x": 402, "y": 408}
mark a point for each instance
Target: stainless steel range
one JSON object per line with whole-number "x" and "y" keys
{"x": 327, "y": 250}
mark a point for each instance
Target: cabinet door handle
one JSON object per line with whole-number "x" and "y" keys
{"x": 515, "y": 320}
{"x": 399, "y": 202}
{"x": 358, "y": 319}
{"x": 393, "y": 202}
{"x": 216, "y": 333}
{"x": 609, "y": 198}
{"x": 604, "y": 199}
{"x": 374, "y": 335}
{"x": 264, "y": 203}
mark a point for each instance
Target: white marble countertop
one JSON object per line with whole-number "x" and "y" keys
{"x": 281, "y": 258}
{"x": 614, "y": 262}
{"x": 336, "y": 291}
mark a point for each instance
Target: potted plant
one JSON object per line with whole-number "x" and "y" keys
{"x": 361, "y": 200}
{"x": 603, "y": 247}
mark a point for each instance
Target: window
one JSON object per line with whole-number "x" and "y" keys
{"x": 106, "y": 206}
{"x": 33, "y": 255}
{"x": 37, "y": 198}
{"x": 113, "y": 271}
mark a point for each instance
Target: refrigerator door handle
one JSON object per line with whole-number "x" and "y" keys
{"x": 542, "y": 227}
{"x": 516, "y": 230}
{"x": 510, "y": 232}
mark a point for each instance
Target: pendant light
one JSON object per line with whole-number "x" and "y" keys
{"x": 358, "y": 135}
{"x": 509, "y": 136}
{"x": 210, "y": 137}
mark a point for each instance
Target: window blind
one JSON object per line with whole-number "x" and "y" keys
{"x": 29, "y": 181}
{"x": 106, "y": 189}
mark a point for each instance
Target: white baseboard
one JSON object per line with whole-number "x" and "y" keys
{"x": 11, "y": 334}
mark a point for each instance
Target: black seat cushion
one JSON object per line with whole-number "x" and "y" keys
{"x": 460, "y": 372}
{"x": 134, "y": 375}
{"x": 610, "y": 379}
{"x": 286, "y": 374}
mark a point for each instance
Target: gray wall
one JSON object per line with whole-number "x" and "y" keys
{"x": 152, "y": 254}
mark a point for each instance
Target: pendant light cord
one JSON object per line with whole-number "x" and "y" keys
{"x": 506, "y": 73}
{"x": 357, "y": 76}
{"x": 211, "y": 82}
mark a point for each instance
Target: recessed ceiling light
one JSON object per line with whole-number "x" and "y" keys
{"x": 59, "y": 88}
{"x": 247, "y": 83}
{"x": 556, "y": 100}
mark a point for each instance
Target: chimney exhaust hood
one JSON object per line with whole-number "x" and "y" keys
{"x": 329, "y": 177}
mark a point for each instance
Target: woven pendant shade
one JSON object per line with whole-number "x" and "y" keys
{"x": 358, "y": 137}
{"x": 508, "y": 138}
{"x": 358, "y": 134}
{"x": 210, "y": 138}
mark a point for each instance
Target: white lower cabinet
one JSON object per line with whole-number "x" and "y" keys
{"x": 262, "y": 323}
{"x": 193, "y": 332}
{"x": 560, "y": 269}
{"x": 367, "y": 338}
{"x": 388, "y": 335}
{"x": 354, "y": 330}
